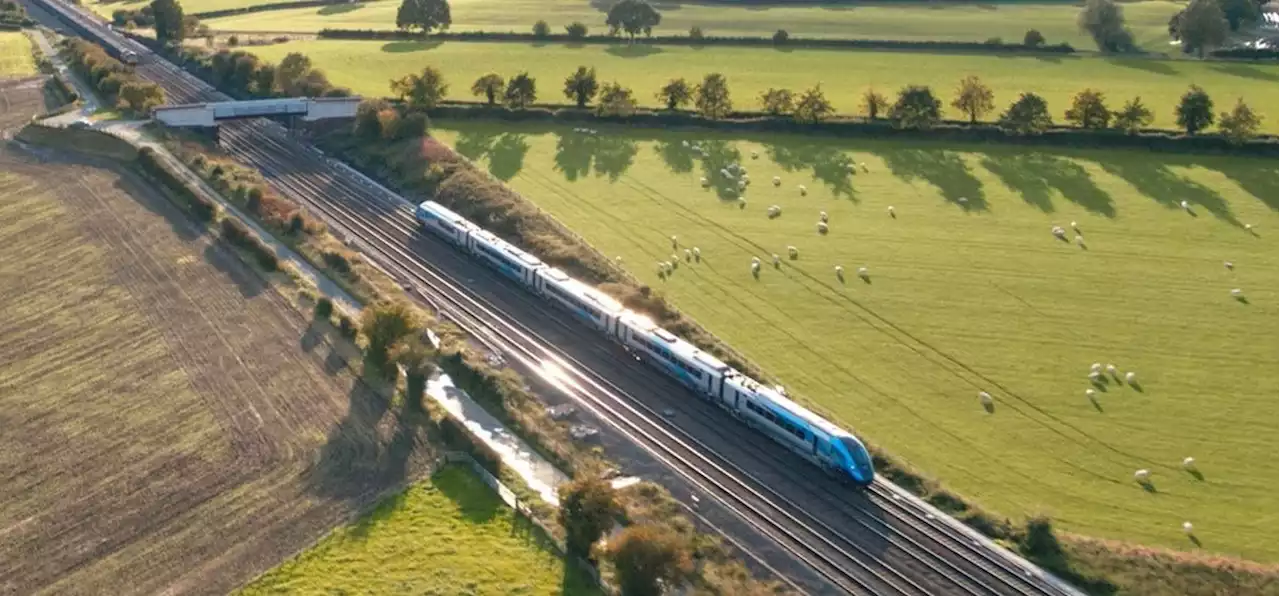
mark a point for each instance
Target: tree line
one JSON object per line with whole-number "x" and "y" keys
{"x": 114, "y": 81}
{"x": 916, "y": 106}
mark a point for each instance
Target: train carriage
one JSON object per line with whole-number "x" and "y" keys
{"x": 511, "y": 261}
{"x": 681, "y": 359}
{"x": 591, "y": 305}
{"x": 436, "y": 218}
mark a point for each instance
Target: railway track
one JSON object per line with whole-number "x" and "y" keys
{"x": 917, "y": 550}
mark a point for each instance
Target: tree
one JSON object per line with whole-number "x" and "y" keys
{"x": 675, "y": 94}
{"x": 615, "y": 100}
{"x": 424, "y": 15}
{"x": 1089, "y": 110}
{"x": 1033, "y": 39}
{"x": 169, "y": 20}
{"x": 777, "y": 101}
{"x": 581, "y": 86}
{"x": 488, "y": 86}
{"x": 632, "y": 17}
{"x": 916, "y": 108}
{"x": 291, "y": 71}
{"x": 974, "y": 98}
{"x": 264, "y": 80}
{"x": 141, "y": 97}
{"x": 1239, "y": 12}
{"x": 421, "y": 91}
{"x": 780, "y": 37}
{"x": 812, "y": 106}
{"x": 711, "y": 96}
{"x": 385, "y": 326}
{"x": 696, "y": 34}
{"x": 1202, "y": 27}
{"x": 588, "y": 508}
{"x": 541, "y": 30}
{"x": 413, "y": 126}
{"x": 418, "y": 359}
{"x": 367, "y": 124}
{"x": 1240, "y": 124}
{"x": 1195, "y": 110}
{"x": 1029, "y": 114}
{"x": 576, "y": 30}
{"x": 1133, "y": 116}
{"x": 1103, "y": 20}
{"x": 646, "y": 557}
{"x": 874, "y": 104}
{"x": 522, "y": 90}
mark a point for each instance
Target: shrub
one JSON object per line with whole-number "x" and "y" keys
{"x": 297, "y": 224}
{"x": 588, "y": 507}
{"x": 1133, "y": 116}
{"x": 675, "y": 94}
{"x": 581, "y": 85}
{"x": 254, "y": 201}
{"x": 1089, "y": 110}
{"x": 1195, "y": 110}
{"x": 233, "y": 41}
{"x": 521, "y": 91}
{"x": 696, "y": 34}
{"x": 346, "y": 326}
{"x": 1033, "y": 39}
{"x": 576, "y": 30}
{"x": 780, "y": 36}
{"x": 647, "y": 557}
{"x": 615, "y": 100}
{"x": 541, "y": 30}
{"x": 711, "y": 96}
{"x": 337, "y": 261}
{"x": 874, "y": 103}
{"x": 974, "y": 98}
{"x": 1240, "y": 123}
{"x": 1029, "y": 114}
{"x": 777, "y": 102}
{"x": 916, "y": 108}
{"x": 323, "y": 309}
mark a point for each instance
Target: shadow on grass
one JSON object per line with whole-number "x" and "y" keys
{"x": 344, "y": 8}
{"x": 1159, "y": 183}
{"x": 505, "y": 152}
{"x": 247, "y": 280}
{"x": 624, "y": 50}
{"x": 402, "y": 47}
{"x": 153, "y": 199}
{"x": 1247, "y": 71}
{"x": 1035, "y": 175}
{"x": 578, "y": 154}
{"x": 476, "y": 501}
{"x": 945, "y": 170}
{"x": 830, "y": 165}
{"x": 1256, "y": 177}
{"x": 1160, "y": 67}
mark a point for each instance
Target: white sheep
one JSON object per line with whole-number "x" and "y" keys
{"x": 684, "y": 143}
{"x": 863, "y": 273}
{"x": 774, "y": 211}
{"x": 777, "y": 261}
{"x": 697, "y": 254}
{"x": 1189, "y": 463}
{"x": 742, "y": 203}
{"x": 1095, "y": 367}
{"x": 822, "y": 227}
{"x": 864, "y": 166}
{"x": 755, "y": 268}
{"x": 617, "y": 259}
{"x": 675, "y": 262}
{"x": 1142, "y": 476}
{"x": 1187, "y": 528}
{"x": 662, "y": 267}
{"x": 674, "y": 242}
{"x": 963, "y": 200}
{"x": 1237, "y": 292}
{"x": 1075, "y": 226}
{"x": 840, "y": 272}
{"x": 1228, "y": 264}
{"x": 1095, "y": 377}
{"x": 704, "y": 182}
{"x": 668, "y": 266}
{"x": 803, "y": 191}
{"x": 1248, "y": 227}
{"x": 1112, "y": 370}
{"x": 793, "y": 252}
{"x": 985, "y": 398}
{"x": 1079, "y": 240}
{"x": 1091, "y": 394}
{"x": 755, "y": 155}
{"x": 1058, "y": 232}
{"x": 1131, "y": 377}
{"x": 742, "y": 185}
{"x": 1185, "y": 205}
{"x": 688, "y": 255}
{"x": 822, "y": 216}
{"x": 777, "y": 181}
{"x": 891, "y": 212}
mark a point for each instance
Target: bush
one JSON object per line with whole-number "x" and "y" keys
{"x": 337, "y": 261}
{"x": 780, "y": 36}
{"x": 346, "y": 326}
{"x": 254, "y": 201}
{"x": 203, "y": 209}
{"x": 323, "y": 309}
{"x": 696, "y": 34}
{"x": 1033, "y": 39}
{"x": 297, "y": 224}
{"x": 576, "y": 30}
{"x": 541, "y": 30}
{"x": 233, "y": 41}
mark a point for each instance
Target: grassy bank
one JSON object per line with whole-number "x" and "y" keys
{"x": 367, "y": 66}
{"x": 16, "y": 59}
{"x": 449, "y": 535}
{"x": 917, "y": 21}
{"x": 968, "y": 298}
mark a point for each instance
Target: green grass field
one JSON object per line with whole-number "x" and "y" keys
{"x": 923, "y": 21}
{"x": 15, "y": 55}
{"x": 448, "y": 535}
{"x": 971, "y": 297}
{"x": 367, "y": 67}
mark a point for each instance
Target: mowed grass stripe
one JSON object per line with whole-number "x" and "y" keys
{"x": 15, "y": 55}
{"x": 367, "y": 67}
{"x": 449, "y": 535}
{"x": 906, "y": 21}
{"x": 968, "y": 300}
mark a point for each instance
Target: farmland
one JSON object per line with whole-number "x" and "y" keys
{"x": 968, "y": 291}
{"x": 449, "y": 535}
{"x": 367, "y": 66}
{"x": 165, "y": 411}
{"x": 15, "y": 55}
{"x": 918, "y": 22}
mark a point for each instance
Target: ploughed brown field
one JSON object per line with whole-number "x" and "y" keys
{"x": 169, "y": 422}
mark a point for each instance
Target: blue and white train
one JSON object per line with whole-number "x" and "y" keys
{"x": 762, "y": 408}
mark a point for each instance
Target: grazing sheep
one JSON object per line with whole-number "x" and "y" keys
{"x": 742, "y": 185}
{"x": 793, "y": 252}
{"x": 742, "y": 203}
{"x": 1131, "y": 377}
{"x": 674, "y": 242}
{"x": 1142, "y": 476}
{"x": 675, "y": 262}
{"x": 662, "y": 267}
{"x": 1095, "y": 367}
{"x": 1188, "y": 528}
{"x": 1059, "y": 233}
{"x": 864, "y": 166}
{"x": 1189, "y": 463}
{"x": 822, "y": 216}
{"x": 617, "y": 259}
{"x": 1091, "y": 394}
{"x": 1112, "y": 370}
{"x": 755, "y": 155}
{"x": 755, "y": 269}
{"x": 668, "y": 266}
{"x": 1185, "y": 205}
{"x": 697, "y": 254}
{"x": 704, "y": 182}
{"x": 1079, "y": 240}
{"x": 1229, "y": 264}
{"x": 1075, "y": 226}
{"x": 803, "y": 191}
{"x": 777, "y": 261}
{"x": 1095, "y": 377}
{"x": 688, "y": 255}
{"x": 1236, "y": 292}
{"x": 840, "y": 272}
{"x": 1248, "y": 227}
{"x": 822, "y": 227}
{"x": 755, "y": 260}
{"x": 774, "y": 211}
{"x": 746, "y": 179}
{"x": 777, "y": 181}
{"x": 985, "y": 398}
{"x": 892, "y": 213}
{"x": 864, "y": 273}
{"x": 963, "y": 200}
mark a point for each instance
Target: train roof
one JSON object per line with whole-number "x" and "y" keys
{"x": 789, "y": 406}
{"x": 583, "y": 291}
{"x": 678, "y": 346}
{"x": 506, "y": 247}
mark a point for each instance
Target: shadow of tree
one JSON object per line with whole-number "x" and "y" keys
{"x": 677, "y": 157}
{"x": 1255, "y": 177}
{"x": 625, "y": 50}
{"x": 356, "y": 462}
{"x": 402, "y": 47}
{"x": 1035, "y": 175}
{"x": 577, "y": 154}
{"x": 346, "y": 7}
{"x": 830, "y": 165}
{"x": 247, "y": 280}
{"x": 1247, "y": 71}
{"x": 1160, "y": 67}
{"x": 505, "y": 152}
{"x": 473, "y": 144}
{"x": 945, "y": 170}
{"x": 714, "y": 158}
{"x": 1155, "y": 180}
